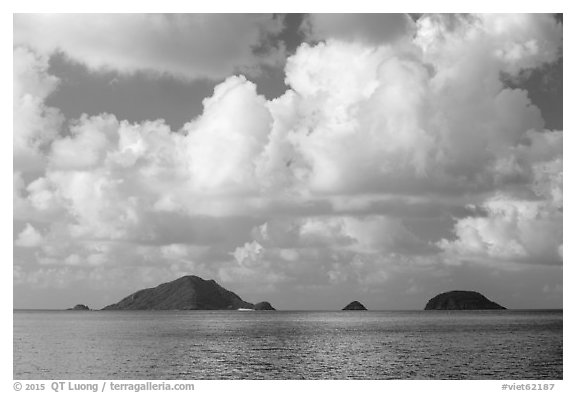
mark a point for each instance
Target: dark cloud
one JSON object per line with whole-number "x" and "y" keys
{"x": 370, "y": 28}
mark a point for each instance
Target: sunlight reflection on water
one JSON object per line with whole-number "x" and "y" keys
{"x": 288, "y": 345}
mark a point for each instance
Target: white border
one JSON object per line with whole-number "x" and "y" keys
{"x": 293, "y": 6}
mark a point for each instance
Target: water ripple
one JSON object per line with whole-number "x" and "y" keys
{"x": 288, "y": 345}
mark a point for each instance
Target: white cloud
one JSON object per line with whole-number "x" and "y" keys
{"x": 247, "y": 254}
{"x": 29, "y": 237}
{"x": 188, "y": 46}
{"x": 224, "y": 142}
{"x": 405, "y": 119}
{"x": 87, "y": 145}
{"x": 329, "y": 249}
{"x": 35, "y": 124}
{"x": 513, "y": 230}
{"x": 340, "y": 180}
{"x": 501, "y": 42}
{"x": 526, "y": 227}
{"x": 183, "y": 252}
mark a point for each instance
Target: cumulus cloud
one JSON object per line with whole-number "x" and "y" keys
{"x": 406, "y": 119}
{"x": 188, "y": 46}
{"x": 327, "y": 250}
{"x": 518, "y": 227}
{"x": 381, "y": 156}
{"x": 512, "y": 230}
{"x": 513, "y": 42}
{"x": 225, "y": 140}
{"x": 29, "y": 237}
{"x": 35, "y": 124}
{"x": 368, "y": 234}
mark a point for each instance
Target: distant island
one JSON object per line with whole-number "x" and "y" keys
{"x": 79, "y": 307}
{"x": 354, "y": 306}
{"x": 461, "y": 300}
{"x": 186, "y": 293}
{"x": 264, "y": 306}
{"x": 194, "y": 293}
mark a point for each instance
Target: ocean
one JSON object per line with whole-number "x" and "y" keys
{"x": 287, "y": 345}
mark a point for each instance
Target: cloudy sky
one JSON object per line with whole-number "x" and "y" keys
{"x": 307, "y": 160}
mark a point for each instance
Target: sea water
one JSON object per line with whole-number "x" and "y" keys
{"x": 287, "y": 345}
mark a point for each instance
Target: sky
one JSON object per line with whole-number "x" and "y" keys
{"x": 306, "y": 160}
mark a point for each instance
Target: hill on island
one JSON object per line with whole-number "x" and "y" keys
{"x": 79, "y": 307}
{"x": 264, "y": 306}
{"x": 184, "y": 293}
{"x": 461, "y": 300}
{"x": 354, "y": 306}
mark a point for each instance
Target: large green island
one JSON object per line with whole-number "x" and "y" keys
{"x": 186, "y": 293}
